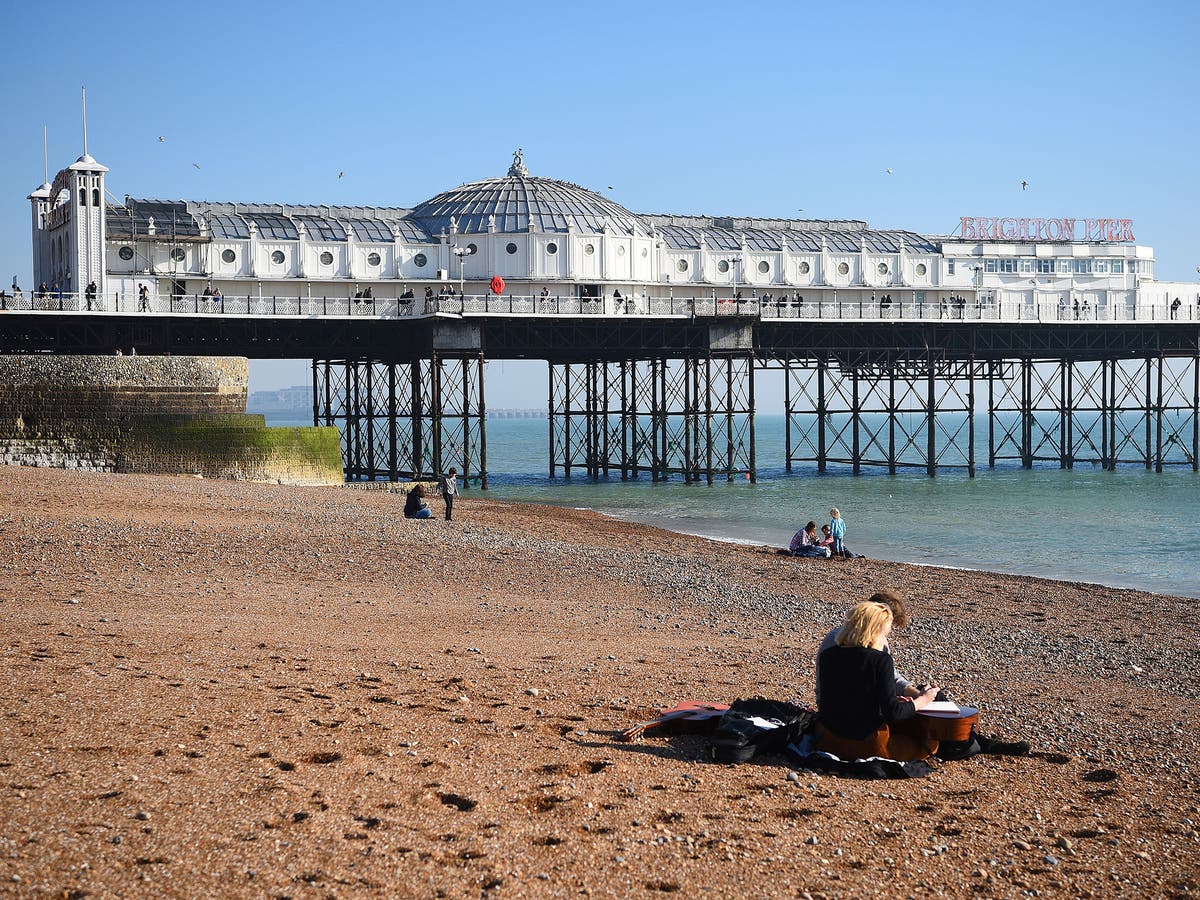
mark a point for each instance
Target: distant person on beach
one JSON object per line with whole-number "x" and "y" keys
{"x": 859, "y": 714}
{"x": 415, "y": 506}
{"x": 806, "y": 543}
{"x": 837, "y": 528}
{"x": 826, "y": 538}
{"x": 449, "y": 489}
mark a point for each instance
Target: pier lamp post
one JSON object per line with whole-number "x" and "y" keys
{"x": 462, "y": 253}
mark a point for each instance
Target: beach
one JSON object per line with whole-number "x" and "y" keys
{"x": 229, "y": 689}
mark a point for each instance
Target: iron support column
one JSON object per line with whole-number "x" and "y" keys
{"x": 392, "y": 423}
{"x": 787, "y": 414}
{"x": 855, "y": 452}
{"x": 1149, "y": 414}
{"x": 1158, "y": 419}
{"x": 891, "y": 416}
{"x": 418, "y": 419}
{"x": 708, "y": 417}
{"x": 991, "y": 414}
{"x": 971, "y": 415}
{"x": 483, "y": 476}
{"x": 822, "y": 364}
{"x": 750, "y": 393}
{"x": 931, "y": 405}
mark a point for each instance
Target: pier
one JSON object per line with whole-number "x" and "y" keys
{"x": 666, "y": 390}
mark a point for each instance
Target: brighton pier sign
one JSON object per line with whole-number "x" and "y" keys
{"x": 990, "y": 228}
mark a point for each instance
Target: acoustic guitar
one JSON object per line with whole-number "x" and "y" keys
{"x": 948, "y": 726}
{"x": 690, "y": 717}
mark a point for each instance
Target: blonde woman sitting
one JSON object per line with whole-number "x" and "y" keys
{"x": 859, "y": 713}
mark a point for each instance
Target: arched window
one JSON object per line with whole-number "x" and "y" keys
{"x": 96, "y": 197}
{"x": 83, "y": 196}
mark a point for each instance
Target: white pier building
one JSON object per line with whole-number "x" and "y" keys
{"x": 561, "y": 247}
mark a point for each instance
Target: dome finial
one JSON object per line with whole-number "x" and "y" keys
{"x": 517, "y": 169}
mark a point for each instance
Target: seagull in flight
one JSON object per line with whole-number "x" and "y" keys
{"x": 161, "y": 139}
{"x": 195, "y": 165}
{"x": 341, "y": 174}
{"x": 1024, "y": 185}
{"x": 889, "y": 171}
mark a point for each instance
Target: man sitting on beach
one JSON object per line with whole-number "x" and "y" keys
{"x": 806, "y": 543}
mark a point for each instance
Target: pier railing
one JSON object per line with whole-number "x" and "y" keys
{"x": 782, "y": 308}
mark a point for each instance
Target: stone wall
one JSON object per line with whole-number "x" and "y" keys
{"x": 157, "y": 415}
{"x": 42, "y": 395}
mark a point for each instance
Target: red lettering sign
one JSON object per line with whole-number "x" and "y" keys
{"x": 989, "y": 228}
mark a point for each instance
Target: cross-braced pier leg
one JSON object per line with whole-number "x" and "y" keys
{"x": 401, "y": 420}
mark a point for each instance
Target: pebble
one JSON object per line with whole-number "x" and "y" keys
{"x": 1022, "y": 845}
{"x": 1049, "y": 860}
{"x": 142, "y": 816}
{"x": 116, "y": 839}
{"x": 812, "y": 839}
{"x": 792, "y": 776}
{"x": 532, "y": 692}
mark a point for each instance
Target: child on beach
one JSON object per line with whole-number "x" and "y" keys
{"x": 837, "y": 528}
{"x": 449, "y": 488}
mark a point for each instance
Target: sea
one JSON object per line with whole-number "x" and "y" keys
{"x": 1129, "y": 528}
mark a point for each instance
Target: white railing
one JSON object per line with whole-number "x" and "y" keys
{"x": 778, "y": 309}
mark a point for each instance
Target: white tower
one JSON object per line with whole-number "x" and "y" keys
{"x": 39, "y": 201}
{"x": 88, "y": 234}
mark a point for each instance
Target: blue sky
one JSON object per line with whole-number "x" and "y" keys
{"x": 746, "y": 109}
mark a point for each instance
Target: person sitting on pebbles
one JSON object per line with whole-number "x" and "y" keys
{"x": 415, "y": 506}
{"x": 866, "y": 709}
{"x": 806, "y": 543}
{"x": 859, "y": 712}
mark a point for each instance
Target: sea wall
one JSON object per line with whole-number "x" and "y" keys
{"x": 155, "y": 415}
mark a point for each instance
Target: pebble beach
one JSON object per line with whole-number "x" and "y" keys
{"x": 229, "y": 689}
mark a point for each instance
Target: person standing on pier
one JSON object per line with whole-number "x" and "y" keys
{"x": 449, "y": 490}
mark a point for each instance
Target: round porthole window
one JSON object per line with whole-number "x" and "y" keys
{"x": 682, "y": 265}
{"x": 921, "y": 270}
{"x": 510, "y": 248}
{"x": 723, "y": 266}
{"x": 764, "y": 267}
{"x": 552, "y": 248}
{"x": 277, "y": 257}
{"x": 474, "y": 249}
{"x": 178, "y": 254}
{"x": 420, "y": 260}
{"x": 645, "y": 252}
{"x": 126, "y": 253}
{"x": 589, "y": 249}
{"x": 326, "y": 258}
{"x": 228, "y": 256}
{"x": 882, "y": 268}
{"x": 843, "y": 268}
{"x": 373, "y": 259}
{"x": 621, "y": 250}
{"x": 804, "y": 268}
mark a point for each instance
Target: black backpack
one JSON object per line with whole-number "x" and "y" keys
{"x": 758, "y": 725}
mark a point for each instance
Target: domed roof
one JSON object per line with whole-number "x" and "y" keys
{"x": 519, "y": 199}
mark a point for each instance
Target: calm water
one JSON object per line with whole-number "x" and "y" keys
{"x": 1129, "y": 528}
